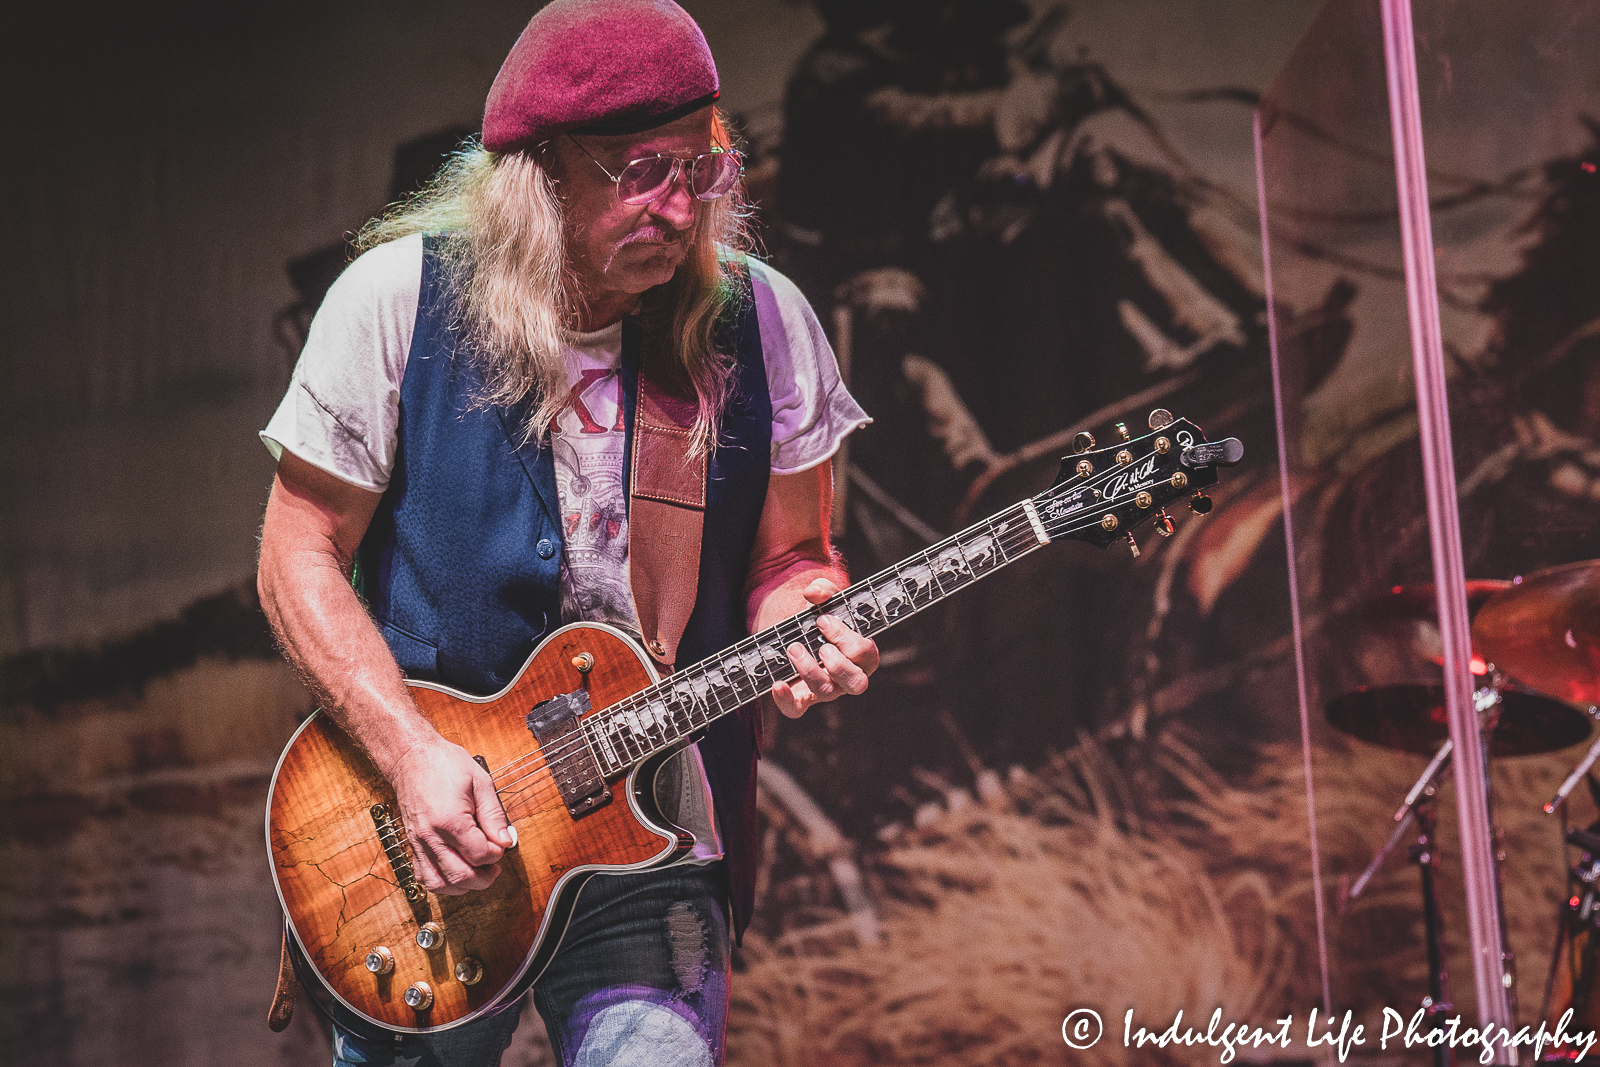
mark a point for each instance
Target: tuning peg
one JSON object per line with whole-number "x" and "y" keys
{"x": 1122, "y": 430}
{"x": 1163, "y": 523}
{"x": 1161, "y": 417}
{"x": 1082, "y": 441}
{"x": 1133, "y": 546}
{"x": 1200, "y": 504}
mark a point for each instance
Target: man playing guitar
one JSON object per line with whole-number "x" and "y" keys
{"x": 463, "y": 431}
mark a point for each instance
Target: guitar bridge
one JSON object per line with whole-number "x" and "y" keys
{"x": 554, "y": 723}
{"x": 394, "y": 846}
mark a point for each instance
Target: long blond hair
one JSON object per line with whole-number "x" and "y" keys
{"x": 499, "y": 222}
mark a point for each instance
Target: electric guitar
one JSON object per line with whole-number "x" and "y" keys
{"x": 573, "y": 745}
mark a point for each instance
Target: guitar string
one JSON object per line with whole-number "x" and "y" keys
{"x": 569, "y": 749}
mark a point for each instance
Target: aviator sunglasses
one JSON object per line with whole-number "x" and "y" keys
{"x": 710, "y": 174}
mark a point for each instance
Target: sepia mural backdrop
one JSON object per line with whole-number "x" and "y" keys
{"x": 1079, "y": 785}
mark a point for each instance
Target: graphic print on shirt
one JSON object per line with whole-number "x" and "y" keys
{"x": 588, "y": 438}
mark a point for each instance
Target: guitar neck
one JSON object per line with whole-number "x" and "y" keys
{"x": 684, "y": 704}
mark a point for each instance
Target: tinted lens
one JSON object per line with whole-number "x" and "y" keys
{"x": 643, "y": 180}
{"x": 714, "y": 174}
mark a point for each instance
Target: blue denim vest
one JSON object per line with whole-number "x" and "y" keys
{"x": 461, "y": 563}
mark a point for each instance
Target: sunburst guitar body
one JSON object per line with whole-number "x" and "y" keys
{"x": 342, "y": 864}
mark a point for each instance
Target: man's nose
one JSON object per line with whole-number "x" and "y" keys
{"x": 677, "y": 205}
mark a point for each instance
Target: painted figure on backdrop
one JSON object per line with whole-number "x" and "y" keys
{"x": 457, "y": 431}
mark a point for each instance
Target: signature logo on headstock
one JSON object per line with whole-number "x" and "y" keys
{"x": 1138, "y": 476}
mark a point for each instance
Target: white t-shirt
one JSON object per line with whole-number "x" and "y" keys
{"x": 342, "y": 414}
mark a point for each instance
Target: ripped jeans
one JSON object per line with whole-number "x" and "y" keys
{"x": 641, "y": 980}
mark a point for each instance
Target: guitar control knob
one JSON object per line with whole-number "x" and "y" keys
{"x": 1082, "y": 441}
{"x": 469, "y": 971}
{"x": 380, "y": 960}
{"x": 419, "y": 996}
{"x": 430, "y": 936}
{"x": 1200, "y": 504}
{"x": 1163, "y": 524}
{"x": 1161, "y": 417}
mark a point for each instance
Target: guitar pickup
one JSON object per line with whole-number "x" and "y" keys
{"x": 1223, "y": 453}
{"x": 568, "y": 758}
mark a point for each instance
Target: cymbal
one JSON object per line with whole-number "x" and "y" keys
{"x": 1545, "y": 631}
{"x": 1412, "y": 718}
{"x": 1408, "y": 616}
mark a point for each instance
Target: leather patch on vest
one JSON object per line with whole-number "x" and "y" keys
{"x": 666, "y": 514}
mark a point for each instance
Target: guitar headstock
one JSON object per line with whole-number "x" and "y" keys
{"x": 1103, "y": 494}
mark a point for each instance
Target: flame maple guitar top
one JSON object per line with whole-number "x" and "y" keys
{"x": 339, "y": 888}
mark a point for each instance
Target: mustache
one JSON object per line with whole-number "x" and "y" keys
{"x": 654, "y": 233}
{"x": 650, "y": 233}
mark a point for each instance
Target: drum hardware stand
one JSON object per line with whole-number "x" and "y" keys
{"x": 1577, "y": 772}
{"x": 1420, "y": 807}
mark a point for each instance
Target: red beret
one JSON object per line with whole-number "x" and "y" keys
{"x": 600, "y": 66}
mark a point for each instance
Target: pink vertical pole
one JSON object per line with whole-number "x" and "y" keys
{"x": 1439, "y": 478}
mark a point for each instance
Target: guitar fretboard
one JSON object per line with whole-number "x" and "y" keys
{"x": 680, "y": 706}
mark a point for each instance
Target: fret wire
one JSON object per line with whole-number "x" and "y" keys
{"x": 965, "y": 577}
{"x": 701, "y": 711}
{"x": 712, "y": 699}
{"x": 999, "y": 546}
{"x": 626, "y": 739}
{"x": 600, "y": 749}
{"x": 933, "y": 578}
{"x": 871, "y": 590}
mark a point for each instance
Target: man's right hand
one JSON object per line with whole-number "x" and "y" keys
{"x": 454, "y": 818}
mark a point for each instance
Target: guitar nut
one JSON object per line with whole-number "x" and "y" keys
{"x": 430, "y": 936}
{"x": 419, "y": 996}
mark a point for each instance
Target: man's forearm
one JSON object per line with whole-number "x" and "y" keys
{"x": 329, "y": 638}
{"x": 776, "y": 586}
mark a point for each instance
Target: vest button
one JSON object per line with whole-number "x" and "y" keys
{"x": 546, "y": 548}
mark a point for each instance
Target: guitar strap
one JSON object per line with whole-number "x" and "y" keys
{"x": 666, "y": 510}
{"x": 283, "y": 997}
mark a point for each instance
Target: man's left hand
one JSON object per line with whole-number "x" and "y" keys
{"x": 842, "y": 666}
